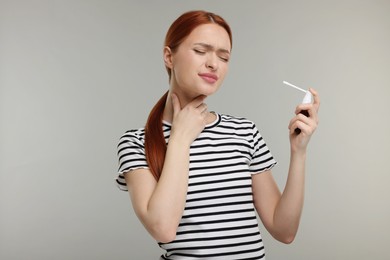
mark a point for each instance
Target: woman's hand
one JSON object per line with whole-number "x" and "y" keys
{"x": 307, "y": 125}
{"x": 188, "y": 122}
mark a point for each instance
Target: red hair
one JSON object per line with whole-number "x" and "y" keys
{"x": 155, "y": 146}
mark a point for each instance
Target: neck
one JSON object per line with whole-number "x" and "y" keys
{"x": 168, "y": 110}
{"x": 184, "y": 100}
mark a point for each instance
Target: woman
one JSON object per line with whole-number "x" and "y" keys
{"x": 197, "y": 178}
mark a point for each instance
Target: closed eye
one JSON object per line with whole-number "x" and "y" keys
{"x": 199, "y": 51}
{"x": 224, "y": 59}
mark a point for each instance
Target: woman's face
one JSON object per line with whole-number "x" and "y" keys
{"x": 200, "y": 63}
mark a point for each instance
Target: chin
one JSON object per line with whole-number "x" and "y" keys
{"x": 209, "y": 90}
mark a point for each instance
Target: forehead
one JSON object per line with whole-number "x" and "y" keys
{"x": 211, "y": 34}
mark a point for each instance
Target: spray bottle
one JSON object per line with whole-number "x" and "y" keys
{"x": 306, "y": 100}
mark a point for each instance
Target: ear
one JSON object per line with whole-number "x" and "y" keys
{"x": 168, "y": 57}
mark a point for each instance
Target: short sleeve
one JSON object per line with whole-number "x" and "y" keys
{"x": 131, "y": 156}
{"x": 262, "y": 159}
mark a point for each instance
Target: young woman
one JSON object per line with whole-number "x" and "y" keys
{"x": 197, "y": 178}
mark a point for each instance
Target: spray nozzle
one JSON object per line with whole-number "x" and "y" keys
{"x": 308, "y": 97}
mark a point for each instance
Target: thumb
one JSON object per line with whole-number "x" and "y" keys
{"x": 175, "y": 104}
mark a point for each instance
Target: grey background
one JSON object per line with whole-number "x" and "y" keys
{"x": 74, "y": 75}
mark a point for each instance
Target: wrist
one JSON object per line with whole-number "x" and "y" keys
{"x": 179, "y": 142}
{"x": 300, "y": 153}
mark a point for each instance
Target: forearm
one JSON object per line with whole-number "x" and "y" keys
{"x": 288, "y": 211}
{"x": 166, "y": 205}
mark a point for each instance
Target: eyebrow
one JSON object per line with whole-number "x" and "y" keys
{"x": 211, "y": 47}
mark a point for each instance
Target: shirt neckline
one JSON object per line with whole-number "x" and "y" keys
{"x": 208, "y": 126}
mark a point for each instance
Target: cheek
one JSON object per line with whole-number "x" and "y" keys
{"x": 224, "y": 70}
{"x": 185, "y": 63}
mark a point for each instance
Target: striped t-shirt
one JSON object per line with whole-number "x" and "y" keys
{"x": 219, "y": 220}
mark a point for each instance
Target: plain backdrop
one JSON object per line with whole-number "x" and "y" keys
{"x": 76, "y": 74}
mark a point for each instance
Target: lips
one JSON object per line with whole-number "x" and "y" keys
{"x": 209, "y": 77}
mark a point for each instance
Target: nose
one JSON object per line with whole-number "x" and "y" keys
{"x": 212, "y": 62}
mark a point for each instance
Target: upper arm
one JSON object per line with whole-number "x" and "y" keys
{"x": 141, "y": 184}
{"x": 266, "y": 195}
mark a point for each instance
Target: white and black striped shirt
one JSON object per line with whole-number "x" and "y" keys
{"x": 219, "y": 220}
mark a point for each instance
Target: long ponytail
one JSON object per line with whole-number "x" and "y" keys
{"x": 155, "y": 146}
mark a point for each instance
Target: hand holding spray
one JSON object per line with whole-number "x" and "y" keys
{"x": 306, "y": 100}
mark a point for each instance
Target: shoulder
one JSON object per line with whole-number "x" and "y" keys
{"x": 236, "y": 121}
{"x": 136, "y": 136}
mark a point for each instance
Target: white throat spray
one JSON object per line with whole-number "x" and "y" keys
{"x": 306, "y": 100}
